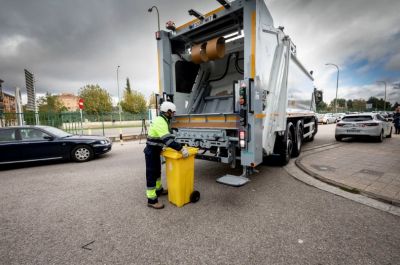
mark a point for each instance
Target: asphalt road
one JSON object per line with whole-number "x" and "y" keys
{"x": 50, "y": 211}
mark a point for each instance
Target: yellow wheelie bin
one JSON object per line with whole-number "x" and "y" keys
{"x": 180, "y": 176}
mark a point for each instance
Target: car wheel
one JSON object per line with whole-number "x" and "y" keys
{"x": 390, "y": 134}
{"x": 82, "y": 153}
{"x": 338, "y": 138}
{"x": 380, "y": 137}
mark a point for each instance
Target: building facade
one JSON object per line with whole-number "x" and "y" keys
{"x": 8, "y": 103}
{"x": 70, "y": 101}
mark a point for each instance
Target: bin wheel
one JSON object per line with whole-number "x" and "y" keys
{"x": 195, "y": 196}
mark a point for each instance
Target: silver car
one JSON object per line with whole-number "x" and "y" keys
{"x": 362, "y": 125}
{"x": 326, "y": 118}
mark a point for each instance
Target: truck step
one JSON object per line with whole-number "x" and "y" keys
{"x": 231, "y": 180}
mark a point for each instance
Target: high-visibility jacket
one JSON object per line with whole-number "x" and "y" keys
{"x": 159, "y": 134}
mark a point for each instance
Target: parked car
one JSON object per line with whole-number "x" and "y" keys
{"x": 339, "y": 116}
{"x": 363, "y": 125}
{"x": 326, "y": 118}
{"x": 38, "y": 143}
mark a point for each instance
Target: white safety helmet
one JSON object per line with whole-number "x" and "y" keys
{"x": 166, "y": 106}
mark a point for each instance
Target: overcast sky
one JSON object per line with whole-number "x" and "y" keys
{"x": 68, "y": 44}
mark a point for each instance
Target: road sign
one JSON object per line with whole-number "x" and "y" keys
{"x": 80, "y": 103}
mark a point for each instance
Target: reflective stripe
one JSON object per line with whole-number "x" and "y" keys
{"x": 154, "y": 144}
{"x": 151, "y": 193}
{"x": 169, "y": 142}
{"x": 158, "y": 184}
{"x": 167, "y": 135}
{"x": 153, "y": 138}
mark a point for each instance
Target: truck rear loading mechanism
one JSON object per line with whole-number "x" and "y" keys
{"x": 240, "y": 91}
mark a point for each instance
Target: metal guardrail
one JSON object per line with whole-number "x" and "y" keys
{"x": 70, "y": 121}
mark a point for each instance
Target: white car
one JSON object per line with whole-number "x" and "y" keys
{"x": 362, "y": 125}
{"x": 326, "y": 118}
{"x": 339, "y": 116}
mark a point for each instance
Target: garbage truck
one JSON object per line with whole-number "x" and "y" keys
{"x": 241, "y": 92}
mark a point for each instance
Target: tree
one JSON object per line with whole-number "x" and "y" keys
{"x": 322, "y": 107}
{"x": 133, "y": 102}
{"x": 341, "y": 103}
{"x": 128, "y": 85}
{"x": 378, "y": 104}
{"x": 96, "y": 99}
{"x": 50, "y": 103}
{"x": 359, "y": 105}
{"x": 349, "y": 104}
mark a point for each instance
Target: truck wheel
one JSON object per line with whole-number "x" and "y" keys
{"x": 299, "y": 140}
{"x": 311, "y": 137}
{"x": 195, "y": 196}
{"x": 286, "y": 149}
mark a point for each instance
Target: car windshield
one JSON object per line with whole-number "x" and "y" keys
{"x": 57, "y": 132}
{"x": 358, "y": 118}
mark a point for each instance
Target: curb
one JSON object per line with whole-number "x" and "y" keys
{"x": 344, "y": 186}
{"x": 298, "y": 171}
{"x": 293, "y": 170}
{"x": 127, "y": 138}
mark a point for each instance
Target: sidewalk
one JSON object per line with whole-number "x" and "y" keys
{"x": 365, "y": 167}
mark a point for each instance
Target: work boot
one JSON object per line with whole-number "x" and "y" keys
{"x": 162, "y": 192}
{"x": 157, "y": 205}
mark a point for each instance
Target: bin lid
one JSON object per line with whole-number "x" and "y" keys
{"x": 172, "y": 153}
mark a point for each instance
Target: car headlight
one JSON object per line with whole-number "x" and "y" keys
{"x": 103, "y": 141}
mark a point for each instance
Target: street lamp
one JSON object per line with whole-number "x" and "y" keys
{"x": 158, "y": 15}
{"x": 337, "y": 83}
{"x": 119, "y": 108}
{"x": 384, "y": 103}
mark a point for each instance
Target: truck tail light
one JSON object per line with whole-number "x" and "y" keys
{"x": 241, "y": 135}
{"x": 242, "y": 141}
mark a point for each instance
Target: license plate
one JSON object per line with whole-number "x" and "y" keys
{"x": 353, "y": 131}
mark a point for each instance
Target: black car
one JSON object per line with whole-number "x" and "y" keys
{"x": 38, "y": 143}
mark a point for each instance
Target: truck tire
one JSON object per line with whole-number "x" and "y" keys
{"x": 298, "y": 139}
{"x": 286, "y": 146}
{"x": 311, "y": 138}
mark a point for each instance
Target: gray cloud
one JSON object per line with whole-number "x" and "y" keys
{"x": 68, "y": 44}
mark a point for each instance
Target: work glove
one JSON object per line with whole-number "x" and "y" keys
{"x": 185, "y": 152}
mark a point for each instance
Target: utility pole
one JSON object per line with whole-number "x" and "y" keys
{"x": 119, "y": 110}
{"x": 337, "y": 83}
{"x": 384, "y": 103}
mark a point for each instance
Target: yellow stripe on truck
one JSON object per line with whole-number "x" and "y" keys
{"x": 197, "y": 20}
{"x": 253, "y": 45}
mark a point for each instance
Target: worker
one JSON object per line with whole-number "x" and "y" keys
{"x": 158, "y": 137}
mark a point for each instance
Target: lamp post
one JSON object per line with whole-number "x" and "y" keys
{"x": 158, "y": 15}
{"x": 384, "y": 103}
{"x": 337, "y": 83}
{"x": 119, "y": 108}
